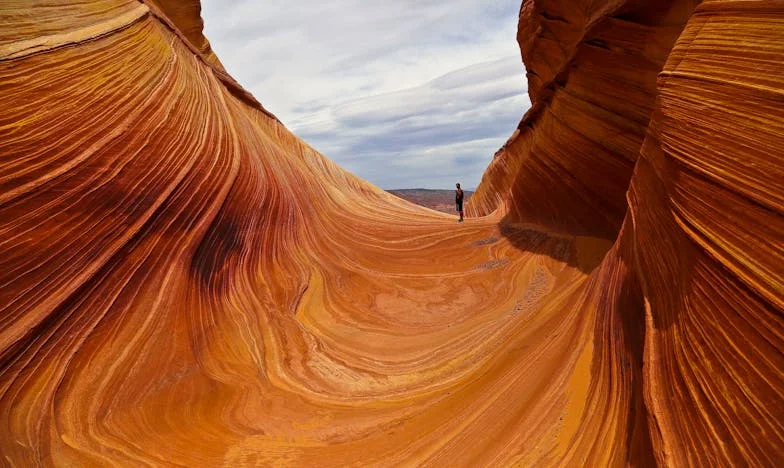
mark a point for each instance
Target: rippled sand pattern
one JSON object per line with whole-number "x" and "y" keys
{"x": 185, "y": 282}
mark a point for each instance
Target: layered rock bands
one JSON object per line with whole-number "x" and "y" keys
{"x": 185, "y": 282}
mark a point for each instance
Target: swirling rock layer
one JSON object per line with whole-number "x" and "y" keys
{"x": 186, "y": 282}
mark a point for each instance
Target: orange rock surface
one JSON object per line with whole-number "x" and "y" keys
{"x": 185, "y": 282}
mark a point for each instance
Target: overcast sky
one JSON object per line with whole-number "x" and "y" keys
{"x": 403, "y": 93}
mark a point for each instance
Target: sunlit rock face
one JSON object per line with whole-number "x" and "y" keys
{"x": 707, "y": 206}
{"x": 661, "y": 95}
{"x": 592, "y": 69}
{"x": 183, "y": 281}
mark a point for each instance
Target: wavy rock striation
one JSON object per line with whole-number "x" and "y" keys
{"x": 183, "y": 281}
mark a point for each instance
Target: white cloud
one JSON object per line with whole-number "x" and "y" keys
{"x": 404, "y": 94}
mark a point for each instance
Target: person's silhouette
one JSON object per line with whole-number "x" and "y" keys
{"x": 459, "y": 202}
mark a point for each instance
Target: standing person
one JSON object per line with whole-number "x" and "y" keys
{"x": 459, "y": 202}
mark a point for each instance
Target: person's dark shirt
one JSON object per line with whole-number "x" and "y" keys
{"x": 459, "y": 196}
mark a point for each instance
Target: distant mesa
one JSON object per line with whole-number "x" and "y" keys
{"x": 439, "y": 200}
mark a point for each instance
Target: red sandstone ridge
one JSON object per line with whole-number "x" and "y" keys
{"x": 186, "y": 282}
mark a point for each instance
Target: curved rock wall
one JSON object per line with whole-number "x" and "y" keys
{"x": 697, "y": 269}
{"x": 592, "y": 71}
{"x": 707, "y": 206}
{"x": 183, "y": 281}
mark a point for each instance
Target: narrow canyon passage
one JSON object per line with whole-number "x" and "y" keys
{"x": 183, "y": 281}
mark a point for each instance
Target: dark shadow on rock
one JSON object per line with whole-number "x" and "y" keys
{"x": 583, "y": 255}
{"x": 629, "y": 310}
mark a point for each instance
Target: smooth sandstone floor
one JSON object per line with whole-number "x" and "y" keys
{"x": 442, "y": 343}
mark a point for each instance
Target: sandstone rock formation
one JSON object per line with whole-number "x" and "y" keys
{"x": 183, "y": 281}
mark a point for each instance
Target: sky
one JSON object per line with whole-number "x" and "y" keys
{"x": 403, "y": 93}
